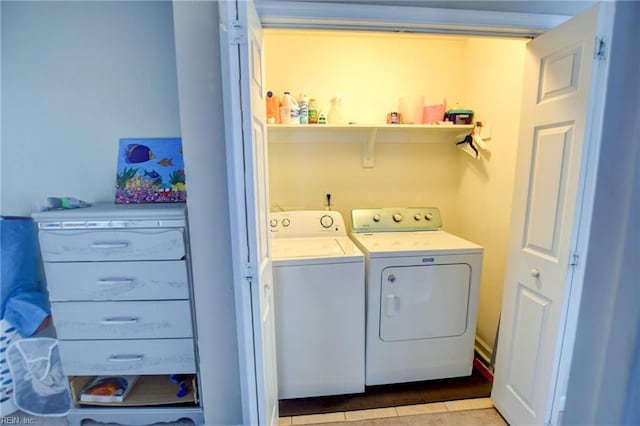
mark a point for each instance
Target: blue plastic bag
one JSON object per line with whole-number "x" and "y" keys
{"x": 25, "y": 303}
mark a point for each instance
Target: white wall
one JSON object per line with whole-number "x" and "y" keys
{"x": 372, "y": 70}
{"x": 201, "y": 116}
{"x": 77, "y": 77}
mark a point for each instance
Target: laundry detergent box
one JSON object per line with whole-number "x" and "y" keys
{"x": 150, "y": 170}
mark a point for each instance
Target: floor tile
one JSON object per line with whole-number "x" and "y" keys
{"x": 376, "y": 413}
{"x": 317, "y": 418}
{"x": 284, "y": 421}
{"x": 410, "y": 410}
{"x": 469, "y": 404}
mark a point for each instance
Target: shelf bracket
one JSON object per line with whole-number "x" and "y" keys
{"x": 368, "y": 160}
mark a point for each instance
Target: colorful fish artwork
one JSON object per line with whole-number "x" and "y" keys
{"x": 138, "y": 154}
{"x": 161, "y": 181}
{"x": 166, "y": 162}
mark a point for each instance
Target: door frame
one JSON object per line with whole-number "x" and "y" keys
{"x": 313, "y": 15}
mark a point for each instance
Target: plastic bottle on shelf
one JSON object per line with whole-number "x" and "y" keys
{"x": 289, "y": 111}
{"x": 303, "y": 103}
{"x": 273, "y": 108}
{"x": 313, "y": 111}
{"x": 336, "y": 114}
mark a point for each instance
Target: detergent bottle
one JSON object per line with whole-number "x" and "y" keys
{"x": 289, "y": 111}
{"x": 313, "y": 111}
{"x": 273, "y": 108}
{"x": 303, "y": 103}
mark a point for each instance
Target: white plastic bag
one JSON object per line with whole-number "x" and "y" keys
{"x": 40, "y": 386}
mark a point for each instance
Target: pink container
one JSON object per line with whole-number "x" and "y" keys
{"x": 433, "y": 113}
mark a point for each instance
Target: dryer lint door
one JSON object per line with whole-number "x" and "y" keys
{"x": 424, "y": 302}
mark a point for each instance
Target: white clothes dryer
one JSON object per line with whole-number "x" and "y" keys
{"x": 422, "y": 288}
{"x": 318, "y": 277}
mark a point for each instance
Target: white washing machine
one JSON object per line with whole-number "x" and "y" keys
{"x": 318, "y": 277}
{"x": 422, "y": 288}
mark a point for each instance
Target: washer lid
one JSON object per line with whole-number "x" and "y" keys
{"x": 314, "y": 248}
{"x": 412, "y": 243}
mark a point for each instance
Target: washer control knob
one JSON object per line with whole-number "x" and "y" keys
{"x": 273, "y": 223}
{"x": 326, "y": 221}
{"x": 428, "y": 215}
{"x": 376, "y": 218}
{"x": 391, "y": 278}
{"x": 286, "y": 222}
{"x": 397, "y": 217}
{"x": 417, "y": 217}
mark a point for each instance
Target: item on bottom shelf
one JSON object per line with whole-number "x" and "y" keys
{"x": 180, "y": 380}
{"x": 108, "y": 388}
{"x": 322, "y": 118}
{"x": 393, "y": 117}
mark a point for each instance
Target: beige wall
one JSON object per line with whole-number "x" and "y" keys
{"x": 371, "y": 71}
{"x": 485, "y": 186}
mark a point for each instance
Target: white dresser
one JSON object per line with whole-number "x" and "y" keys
{"x": 118, "y": 278}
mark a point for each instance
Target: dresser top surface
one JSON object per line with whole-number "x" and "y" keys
{"x": 112, "y": 211}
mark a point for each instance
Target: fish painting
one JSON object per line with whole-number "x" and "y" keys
{"x": 166, "y": 162}
{"x": 150, "y": 170}
{"x": 136, "y": 153}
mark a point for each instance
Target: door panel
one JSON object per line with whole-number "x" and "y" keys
{"x": 556, "y": 103}
{"x": 530, "y": 319}
{"x": 424, "y": 302}
{"x": 560, "y": 73}
{"x": 546, "y": 198}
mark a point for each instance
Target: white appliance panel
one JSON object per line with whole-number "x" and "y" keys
{"x": 305, "y": 247}
{"x": 319, "y": 313}
{"x": 401, "y": 244}
{"x": 424, "y": 302}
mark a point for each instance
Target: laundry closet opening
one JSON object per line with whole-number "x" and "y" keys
{"x": 371, "y": 71}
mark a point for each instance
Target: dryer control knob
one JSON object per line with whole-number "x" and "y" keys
{"x": 286, "y": 222}
{"x": 273, "y": 223}
{"x": 417, "y": 217}
{"x": 428, "y": 216}
{"x": 326, "y": 221}
{"x": 397, "y": 217}
{"x": 376, "y": 218}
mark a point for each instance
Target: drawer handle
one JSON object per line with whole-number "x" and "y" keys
{"x": 113, "y": 245}
{"x": 119, "y": 321}
{"x": 125, "y": 358}
{"x": 114, "y": 281}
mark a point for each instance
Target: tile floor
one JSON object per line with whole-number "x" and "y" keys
{"x": 378, "y": 413}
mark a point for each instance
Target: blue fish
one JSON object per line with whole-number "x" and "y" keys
{"x": 152, "y": 174}
{"x": 138, "y": 154}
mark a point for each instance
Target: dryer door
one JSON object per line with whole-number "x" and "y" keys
{"x": 424, "y": 302}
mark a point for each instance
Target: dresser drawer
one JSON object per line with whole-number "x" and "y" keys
{"x": 103, "y": 357}
{"x": 147, "y": 280}
{"x": 122, "y": 320}
{"x": 112, "y": 245}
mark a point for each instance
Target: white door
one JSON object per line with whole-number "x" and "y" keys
{"x": 556, "y": 131}
{"x": 242, "y": 63}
